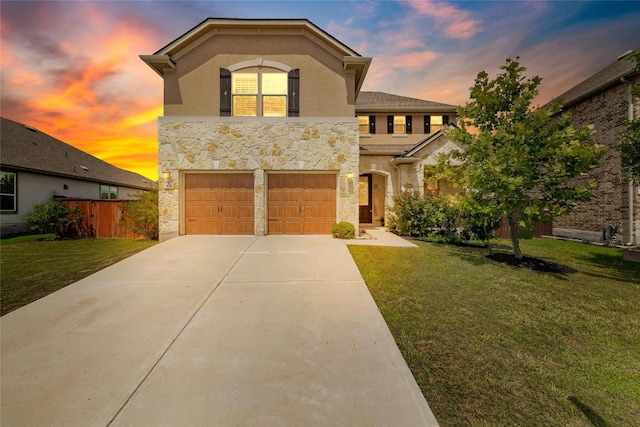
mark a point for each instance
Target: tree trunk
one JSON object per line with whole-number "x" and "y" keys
{"x": 513, "y": 227}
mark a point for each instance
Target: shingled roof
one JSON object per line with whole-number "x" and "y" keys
{"x": 372, "y": 102}
{"x": 623, "y": 67}
{"x": 26, "y": 148}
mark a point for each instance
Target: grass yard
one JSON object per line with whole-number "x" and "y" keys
{"x": 31, "y": 268}
{"x": 492, "y": 344}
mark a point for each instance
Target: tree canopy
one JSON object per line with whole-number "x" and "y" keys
{"x": 518, "y": 162}
{"x": 630, "y": 138}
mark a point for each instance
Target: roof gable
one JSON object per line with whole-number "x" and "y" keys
{"x": 26, "y": 148}
{"x": 165, "y": 57}
{"x": 419, "y": 146}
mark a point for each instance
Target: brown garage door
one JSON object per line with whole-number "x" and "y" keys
{"x": 219, "y": 203}
{"x": 301, "y": 203}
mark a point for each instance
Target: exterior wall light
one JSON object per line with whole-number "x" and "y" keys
{"x": 168, "y": 181}
{"x": 349, "y": 175}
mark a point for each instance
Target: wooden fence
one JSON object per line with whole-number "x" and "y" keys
{"x": 103, "y": 218}
{"x": 539, "y": 229}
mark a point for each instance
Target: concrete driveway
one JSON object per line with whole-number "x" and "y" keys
{"x": 210, "y": 330}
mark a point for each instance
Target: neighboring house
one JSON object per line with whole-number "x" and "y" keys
{"x": 265, "y": 131}
{"x": 398, "y": 137}
{"x": 36, "y": 168}
{"x": 603, "y": 100}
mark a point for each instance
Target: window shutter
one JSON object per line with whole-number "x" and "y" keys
{"x": 445, "y": 120}
{"x": 372, "y": 124}
{"x": 427, "y": 124}
{"x": 389, "y": 124}
{"x": 225, "y": 92}
{"x": 294, "y": 93}
{"x": 408, "y": 121}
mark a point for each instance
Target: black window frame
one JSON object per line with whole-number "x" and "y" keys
{"x": 293, "y": 93}
{"x": 13, "y": 195}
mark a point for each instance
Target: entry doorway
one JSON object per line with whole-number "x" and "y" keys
{"x": 365, "y": 199}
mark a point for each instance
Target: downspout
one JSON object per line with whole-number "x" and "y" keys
{"x": 631, "y": 239}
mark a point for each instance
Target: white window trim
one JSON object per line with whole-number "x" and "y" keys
{"x": 259, "y": 96}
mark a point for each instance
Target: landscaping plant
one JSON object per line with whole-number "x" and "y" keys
{"x": 343, "y": 230}
{"x": 518, "y": 162}
{"x": 630, "y": 139}
{"x": 143, "y": 214}
{"x": 54, "y": 217}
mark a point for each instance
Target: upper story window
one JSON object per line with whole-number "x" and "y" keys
{"x": 108, "y": 192}
{"x": 433, "y": 124}
{"x": 363, "y": 124}
{"x": 259, "y": 88}
{"x": 399, "y": 125}
{"x": 367, "y": 124}
{"x": 259, "y": 93}
{"x": 8, "y": 196}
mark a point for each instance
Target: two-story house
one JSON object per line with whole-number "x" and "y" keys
{"x": 265, "y": 131}
{"x": 398, "y": 137}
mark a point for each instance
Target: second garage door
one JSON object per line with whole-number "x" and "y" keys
{"x": 301, "y": 203}
{"x": 219, "y": 203}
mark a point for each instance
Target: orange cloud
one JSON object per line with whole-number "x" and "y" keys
{"x": 86, "y": 86}
{"x": 456, "y": 22}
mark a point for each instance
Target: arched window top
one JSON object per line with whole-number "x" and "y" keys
{"x": 259, "y": 63}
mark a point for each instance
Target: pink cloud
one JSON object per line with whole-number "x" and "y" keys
{"x": 456, "y": 23}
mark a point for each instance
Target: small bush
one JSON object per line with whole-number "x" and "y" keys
{"x": 143, "y": 214}
{"x": 343, "y": 230}
{"x": 417, "y": 216}
{"x": 54, "y": 217}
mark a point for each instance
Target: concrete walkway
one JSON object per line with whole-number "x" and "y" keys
{"x": 380, "y": 236}
{"x": 210, "y": 330}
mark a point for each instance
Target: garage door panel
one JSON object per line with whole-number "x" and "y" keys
{"x": 219, "y": 204}
{"x": 301, "y": 203}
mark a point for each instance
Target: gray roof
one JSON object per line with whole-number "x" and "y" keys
{"x": 389, "y": 149}
{"x": 26, "y": 148}
{"x": 386, "y": 102}
{"x": 623, "y": 67}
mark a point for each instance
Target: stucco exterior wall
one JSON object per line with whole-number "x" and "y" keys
{"x": 36, "y": 188}
{"x": 611, "y": 203}
{"x": 259, "y": 145}
{"x": 193, "y": 88}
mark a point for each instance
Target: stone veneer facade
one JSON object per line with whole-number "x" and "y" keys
{"x": 611, "y": 203}
{"x": 235, "y": 144}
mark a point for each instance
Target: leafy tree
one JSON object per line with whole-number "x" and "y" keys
{"x": 54, "y": 217}
{"x": 518, "y": 162}
{"x": 630, "y": 139}
{"x": 143, "y": 214}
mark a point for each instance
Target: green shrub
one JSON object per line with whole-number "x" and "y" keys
{"x": 417, "y": 216}
{"x": 343, "y": 230}
{"x": 142, "y": 214}
{"x": 54, "y": 217}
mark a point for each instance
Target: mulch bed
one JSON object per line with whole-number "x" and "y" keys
{"x": 534, "y": 264}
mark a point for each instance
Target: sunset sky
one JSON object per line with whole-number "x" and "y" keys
{"x": 71, "y": 68}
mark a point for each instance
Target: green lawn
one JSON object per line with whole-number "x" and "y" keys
{"x": 32, "y": 268}
{"x": 491, "y": 344}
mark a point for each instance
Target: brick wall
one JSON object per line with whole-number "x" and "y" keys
{"x": 611, "y": 202}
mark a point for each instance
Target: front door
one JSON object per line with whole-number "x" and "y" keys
{"x": 365, "y": 199}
